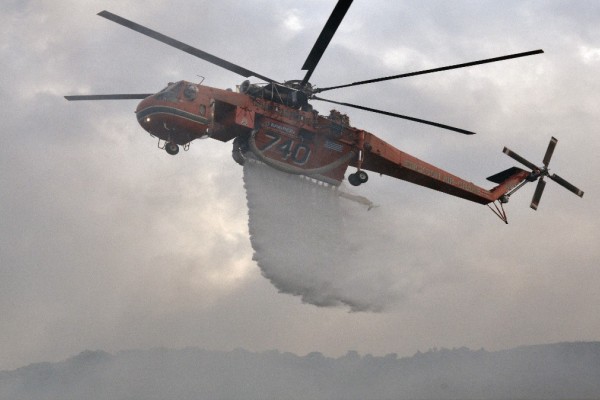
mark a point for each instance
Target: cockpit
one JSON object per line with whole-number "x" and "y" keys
{"x": 169, "y": 93}
{"x": 172, "y": 91}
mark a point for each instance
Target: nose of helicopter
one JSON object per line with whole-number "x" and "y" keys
{"x": 147, "y": 106}
{"x": 172, "y": 115}
{"x": 143, "y": 113}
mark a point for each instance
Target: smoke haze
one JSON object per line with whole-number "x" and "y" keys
{"x": 108, "y": 243}
{"x": 557, "y": 371}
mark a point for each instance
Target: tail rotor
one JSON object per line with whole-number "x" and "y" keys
{"x": 540, "y": 173}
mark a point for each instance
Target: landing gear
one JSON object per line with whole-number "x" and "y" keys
{"x": 362, "y": 176}
{"x": 171, "y": 148}
{"x": 240, "y": 147}
{"x": 358, "y": 178}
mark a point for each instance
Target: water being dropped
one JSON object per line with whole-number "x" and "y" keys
{"x": 322, "y": 243}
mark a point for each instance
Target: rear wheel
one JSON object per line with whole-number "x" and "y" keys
{"x": 354, "y": 180}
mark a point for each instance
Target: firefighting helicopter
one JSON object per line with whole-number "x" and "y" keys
{"x": 274, "y": 123}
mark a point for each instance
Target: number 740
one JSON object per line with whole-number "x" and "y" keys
{"x": 299, "y": 153}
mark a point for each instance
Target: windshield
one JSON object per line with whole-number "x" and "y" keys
{"x": 170, "y": 92}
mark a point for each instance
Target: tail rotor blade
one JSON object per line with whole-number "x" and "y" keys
{"x": 566, "y": 185}
{"x": 550, "y": 150}
{"x": 540, "y": 173}
{"x": 537, "y": 195}
{"x": 520, "y": 159}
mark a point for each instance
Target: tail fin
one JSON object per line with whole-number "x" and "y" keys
{"x": 508, "y": 182}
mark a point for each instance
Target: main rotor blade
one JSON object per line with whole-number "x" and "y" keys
{"x": 550, "y": 150}
{"x": 324, "y": 38}
{"x": 537, "y": 195}
{"x": 566, "y": 185}
{"x": 429, "y": 71}
{"x": 182, "y": 46}
{"x": 520, "y": 159}
{"x": 391, "y": 114}
{"x": 109, "y": 96}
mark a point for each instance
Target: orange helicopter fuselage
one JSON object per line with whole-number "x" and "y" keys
{"x": 295, "y": 140}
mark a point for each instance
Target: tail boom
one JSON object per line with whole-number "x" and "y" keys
{"x": 388, "y": 160}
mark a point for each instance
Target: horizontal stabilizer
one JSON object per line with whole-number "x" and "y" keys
{"x": 504, "y": 175}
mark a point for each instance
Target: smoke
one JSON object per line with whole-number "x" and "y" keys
{"x": 323, "y": 244}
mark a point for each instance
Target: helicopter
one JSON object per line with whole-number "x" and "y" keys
{"x": 274, "y": 123}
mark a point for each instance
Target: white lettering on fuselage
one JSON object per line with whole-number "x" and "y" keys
{"x": 289, "y": 131}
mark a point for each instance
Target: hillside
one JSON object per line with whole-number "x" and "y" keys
{"x": 553, "y": 371}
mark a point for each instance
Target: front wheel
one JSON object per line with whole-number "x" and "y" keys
{"x": 362, "y": 176}
{"x": 171, "y": 148}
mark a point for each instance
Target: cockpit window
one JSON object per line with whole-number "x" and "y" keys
{"x": 170, "y": 93}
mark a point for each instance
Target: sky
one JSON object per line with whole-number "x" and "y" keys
{"x": 108, "y": 243}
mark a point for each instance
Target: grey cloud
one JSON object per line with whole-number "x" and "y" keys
{"x": 106, "y": 242}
